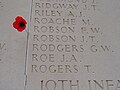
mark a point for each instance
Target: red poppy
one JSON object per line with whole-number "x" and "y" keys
{"x": 19, "y": 24}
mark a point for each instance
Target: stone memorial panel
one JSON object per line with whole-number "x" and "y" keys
{"x": 66, "y": 45}
{"x": 74, "y": 45}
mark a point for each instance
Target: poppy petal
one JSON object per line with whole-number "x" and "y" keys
{"x": 15, "y": 25}
{"x": 18, "y": 18}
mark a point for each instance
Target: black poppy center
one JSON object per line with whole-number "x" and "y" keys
{"x": 22, "y": 24}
